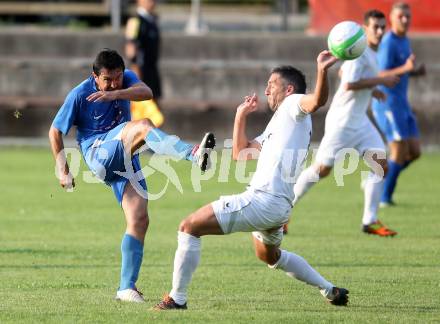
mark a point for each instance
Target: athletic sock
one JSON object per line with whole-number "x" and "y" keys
{"x": 296, "y": 267}
{"x": 394, "y": 170}
{"x": 372, "y": 193}
{"x": 132, "y": 252}
{"x": 162, "y": 143}
{"x": 186, "y": 261}
{"x": 305, "y": 181}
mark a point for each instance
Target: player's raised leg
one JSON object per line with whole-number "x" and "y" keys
{"x": 137, "y": 133}
{"x": 267, "y": 250}
{"x": 187, "y": 257}
{"x": 132, "y": 246}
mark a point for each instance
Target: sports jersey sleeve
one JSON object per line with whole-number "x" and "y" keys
{"x": 260, "y": 138}
{"x": 130, "y": 79}
{"x": 293, "y": 106}
{"x": 66, "y": 116}
{"x": 353, "y": 70}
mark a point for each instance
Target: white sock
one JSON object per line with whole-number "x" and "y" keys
{"x": 305, "y": 181}
{"x": 296, "y": 267}
{"x": 185, "y": 263}
{"x": 372, "y": 193}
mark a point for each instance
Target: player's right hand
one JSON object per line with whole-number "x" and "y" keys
{"x": 67, "y": 181}
{"x": 390, "y": 81}
{"x": 249, "y": 105}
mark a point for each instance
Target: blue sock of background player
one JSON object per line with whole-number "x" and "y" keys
{"x": 394, "y": 170}
{"x": 390, "y": 183}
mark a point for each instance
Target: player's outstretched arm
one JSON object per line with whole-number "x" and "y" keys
{"x": 241, "y": 146}
{"x": 312, "y": 102}
{"x": 57, "y": 146}
{"x": 137, "y": 92}
{"x": 388, "y": 81}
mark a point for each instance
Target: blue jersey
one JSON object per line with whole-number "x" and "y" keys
{"x": 393, "y": 52}
{"x": 92, "y": 118}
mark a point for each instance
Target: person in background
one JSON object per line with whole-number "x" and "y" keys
{"x": 394, "y": 115}
{"x": 142, "y": 49}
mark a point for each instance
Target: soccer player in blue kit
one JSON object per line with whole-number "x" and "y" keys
{"x": 99, "y": 107}
{"x": 394, "y": 115}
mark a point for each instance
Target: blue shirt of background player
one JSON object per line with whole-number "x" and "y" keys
{"x": 393, "y": 52}
{"x": 92, "y": 118}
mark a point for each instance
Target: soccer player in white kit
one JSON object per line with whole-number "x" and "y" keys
{"x": 265, "y": 206}
{"x": 348, "y": 126}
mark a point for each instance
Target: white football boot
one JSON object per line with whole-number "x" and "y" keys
{"x": 130, "y": 295}
{"x": 203, "y": 151}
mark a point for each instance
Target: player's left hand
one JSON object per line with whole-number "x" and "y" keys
{"x": 102, "y": 96}
{"x": 325, "y": 60}
{"x": 420, "y": 70}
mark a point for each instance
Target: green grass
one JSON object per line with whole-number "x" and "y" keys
{"x": 59, "y": 252}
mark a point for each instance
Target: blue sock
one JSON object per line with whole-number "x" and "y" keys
{"x": 164, "y": 144}
{"x": 391, "y": 180}
{"x": 132, "y": 252}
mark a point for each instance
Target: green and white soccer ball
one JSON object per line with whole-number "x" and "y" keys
{"x": 347, "y": 40}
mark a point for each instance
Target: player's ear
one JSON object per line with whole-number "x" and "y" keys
{"x": 290, "y": 90}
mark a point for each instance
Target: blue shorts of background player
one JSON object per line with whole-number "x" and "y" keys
{"x": 396, "y": 124}
{"x": 107, "y": 159}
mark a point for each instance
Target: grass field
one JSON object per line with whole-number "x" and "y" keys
{"x": 60, "y": 261}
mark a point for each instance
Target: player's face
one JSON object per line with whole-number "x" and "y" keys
{"x": 109, "y": 80}
{"x": 147, "y": 4}
{"x": 275, "y": 91}
{"x": 400, "y": 20}
{"x": 374, "y": 31}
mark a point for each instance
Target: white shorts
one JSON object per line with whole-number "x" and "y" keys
{"x": 362, "y": 140}
{"x": 253, "y": 211}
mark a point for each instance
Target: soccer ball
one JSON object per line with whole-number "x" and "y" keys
{"x": 347, "y": 40}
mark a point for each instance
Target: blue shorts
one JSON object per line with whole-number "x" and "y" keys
{"x": 107, "y": 160}
{"x": 396, "y": 124}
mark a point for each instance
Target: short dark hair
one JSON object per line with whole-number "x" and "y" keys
{"x": 374, "y": 13}
{"x": 292, "y": 76}
{"x": 108, "y": 59}
{"x": 400, "y": 5}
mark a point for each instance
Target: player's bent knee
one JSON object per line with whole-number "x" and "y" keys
{"x": 415, "y": 155}
{"x": 146, "y": 124}
{"x": 268, "y": 258}
{"x": 187, "y": 226}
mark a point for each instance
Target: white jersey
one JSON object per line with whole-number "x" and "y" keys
{"x": 285, "y": 143}
{"x": 349, "y": 107}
